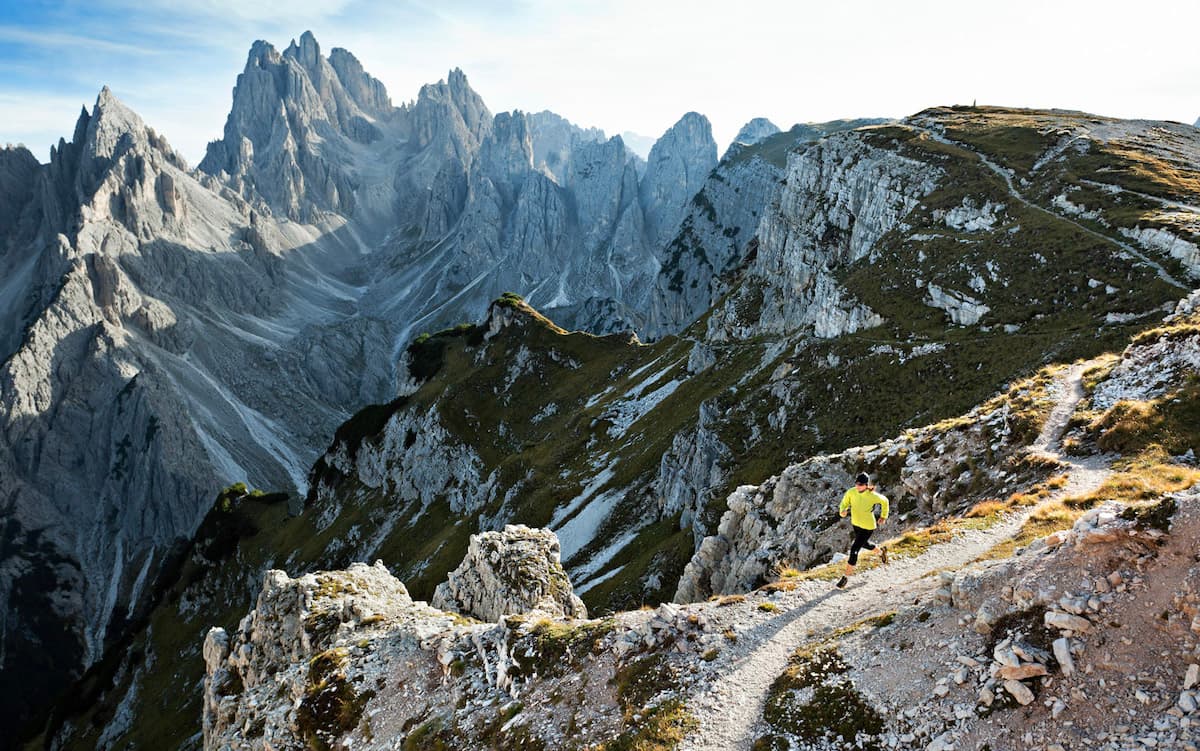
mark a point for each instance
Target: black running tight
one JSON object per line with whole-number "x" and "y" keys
{"x": 861, "y": 542}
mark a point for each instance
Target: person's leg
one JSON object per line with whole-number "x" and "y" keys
{"x": 860, "y": 541}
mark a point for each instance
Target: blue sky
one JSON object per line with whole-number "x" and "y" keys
{"x": 620, "y": 65}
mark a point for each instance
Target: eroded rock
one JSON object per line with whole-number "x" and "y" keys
{"x": 513, "y": 571}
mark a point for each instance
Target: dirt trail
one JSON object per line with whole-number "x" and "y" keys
{"x": 729, "y": 710}
{"x": 1012, "y": 191}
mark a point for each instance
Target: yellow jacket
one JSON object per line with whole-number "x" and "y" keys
{"x": 861, "y": 505}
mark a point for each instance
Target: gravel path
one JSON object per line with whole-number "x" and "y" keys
{"x": 729, "y": 710}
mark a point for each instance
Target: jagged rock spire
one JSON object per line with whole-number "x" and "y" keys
{"x": 679, "y": 162}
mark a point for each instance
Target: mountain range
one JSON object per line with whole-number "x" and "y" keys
{"x": 424, "y": 321}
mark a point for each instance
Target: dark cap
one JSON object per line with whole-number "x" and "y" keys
{"x": 862, "y": 479}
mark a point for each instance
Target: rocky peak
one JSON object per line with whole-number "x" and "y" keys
{"x": 18, "y": 171}
{"x": 367, "y": 91}
{"x": 506, "y": 156}
{"x": 516, "y": 570}
{"x": 554, "y": 138}
{"x": 113, "y": 127}
{"x": 307, "y": 53}
{"x": 452, "y": 112}
{"x": 756, "y": 130}
{"x": 679, "y": 162}
{"x": 288, "y": 134}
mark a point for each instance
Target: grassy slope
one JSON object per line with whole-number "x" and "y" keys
{"x": 827, "y": 409}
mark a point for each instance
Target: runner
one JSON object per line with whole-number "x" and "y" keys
{"x": 860, "y": 501}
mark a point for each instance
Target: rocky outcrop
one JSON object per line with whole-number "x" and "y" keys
{"x": 961, "y": 309}
{"x": 290, "y": 132}
{"x": 293, "y": 646}
{"x": 509, "y": 572}
{"x": 841, "y": 196}
{"x": 694, "y": 466}
{"x": 754, "y": 131}
{"x": 791, "y": 518}
{"x": 346, "y": 658}
{"x": 1162, "y": 241}
{"x": 677, "y": 166}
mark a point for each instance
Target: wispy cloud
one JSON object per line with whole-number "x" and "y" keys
{"x": 60, "y": 40}
{"x": 621, "y": 65}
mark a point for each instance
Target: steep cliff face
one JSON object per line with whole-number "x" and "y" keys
{"x": 840, "y": 197}
{"x": 290, "y": 132}
{"x": 721, "y": 221}
{"x": 677, "y": 166}
{"x": 148, "y": 297}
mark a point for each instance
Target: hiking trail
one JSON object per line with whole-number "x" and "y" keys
{"x": 1006, "y": 175}
{"x": 729, "y": 710}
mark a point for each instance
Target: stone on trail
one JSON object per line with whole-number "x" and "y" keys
{"x": 1067, "y": 622}
{"x": 1032, "y": 670}
{"x": 1019, "y": 691}
{"x": 1062, "y": 653}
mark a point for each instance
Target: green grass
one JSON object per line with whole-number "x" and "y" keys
{"x": 835, "y": 708}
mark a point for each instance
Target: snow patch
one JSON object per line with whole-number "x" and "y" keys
{"x": 624, "y": 414}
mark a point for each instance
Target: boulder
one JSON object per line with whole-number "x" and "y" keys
{"x": 513, "y": 571}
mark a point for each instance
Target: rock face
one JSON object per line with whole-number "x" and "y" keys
{"x": 297, "y": 623}
{"x": 841, "y": 196}
{"x": 513, "y": 571}
{"x": 754, "y": 131}
{"x": 294, "y": 115}
{"x": 791, "y": 519}
{"x": 676, "y": 168}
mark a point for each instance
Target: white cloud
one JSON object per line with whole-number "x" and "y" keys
{"x": 60, "y": 40}
{"x": 639, "y": 65}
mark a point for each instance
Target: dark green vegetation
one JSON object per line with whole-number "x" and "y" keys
{"x": 330, "y": 706}
{"x": 654, "y": 719}
{"x": 815, "y": 700}
{"x": 552, "y": 648}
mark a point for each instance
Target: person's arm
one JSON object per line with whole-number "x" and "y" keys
{"x": 883, "y": 508}
{"x": 844, "y": 507}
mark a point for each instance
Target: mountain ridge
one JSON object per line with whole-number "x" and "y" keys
{"x": 169, "y": 330}
{"x": 178, "y": 331}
